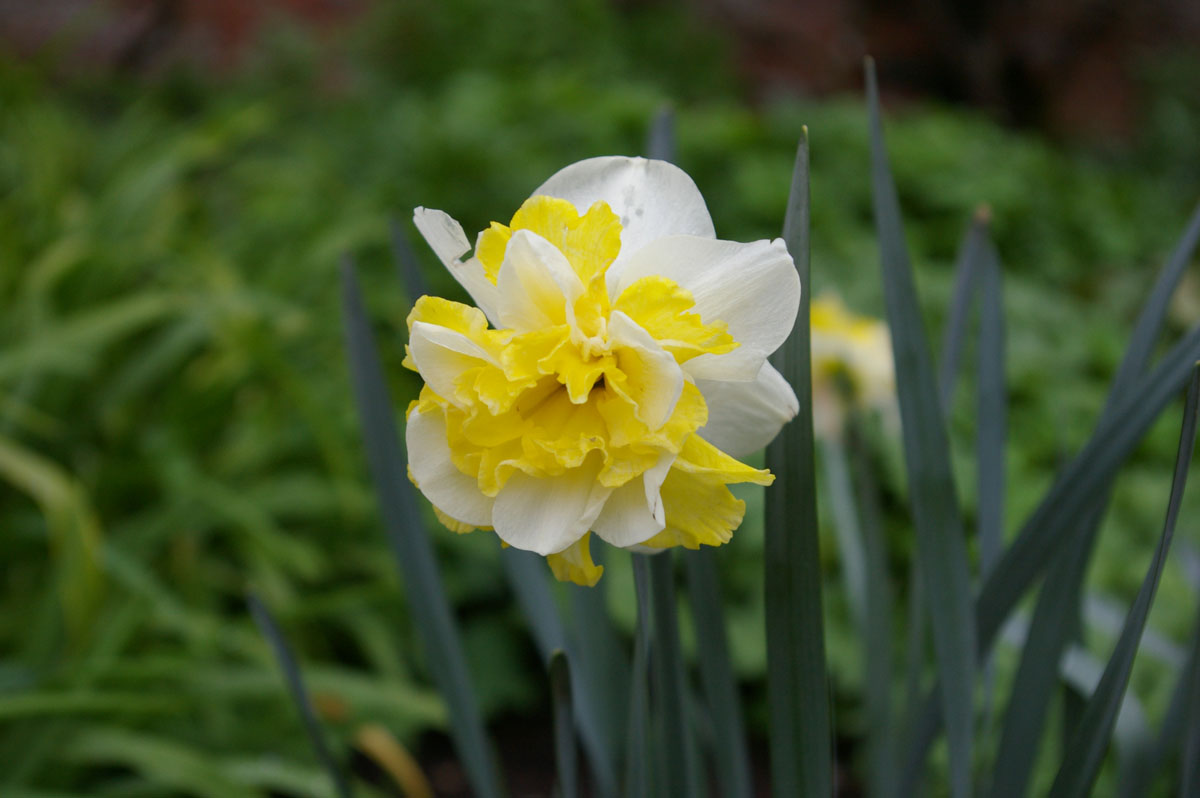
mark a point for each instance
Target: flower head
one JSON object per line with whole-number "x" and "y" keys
{"x": 612, "y": 370}
{"x": 851, "y": 363}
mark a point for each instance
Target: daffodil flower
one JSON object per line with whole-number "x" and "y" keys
{"x": 852, "y": 366}
{"x": 613, "y": 368}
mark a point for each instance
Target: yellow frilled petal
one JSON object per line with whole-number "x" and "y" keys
{"x": 590, "y": 242}
{"x": 700, "y": 509}
{"x": 574, "y": 564}
{"x": 663, "y": 309}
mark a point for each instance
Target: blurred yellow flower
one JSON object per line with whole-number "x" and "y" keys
{"x": 851, "y": 363}
{"x": 614, "y": 367}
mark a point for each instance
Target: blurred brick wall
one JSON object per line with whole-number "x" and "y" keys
{"x": 146, "y": 35}
{"x": 1068, "y": 67}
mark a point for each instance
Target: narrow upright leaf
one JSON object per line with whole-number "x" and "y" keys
{"x": 797, "y": 685}
{"x": 1153, "y": 313}
{"x": 1190, "y": 758}
{"x": 1134, "y": 402}
{"x": 527, "y": 572}
{"x": 414, "y": 282}
{"x": 1037, "y": 675}
{"x": 564, "y": 728}
{"x": 410, "y": 543}
{"x": 602, "y": 672}
{"x": 993, "y": 410}
{"x": 991, "y": 431}
{"x": 1055, "y": 523}
{"x": 641, "y": 755}
{"x": 295, "y": 681}
{"x": 939, "y": 530}
{"x": 1081, "y": 764}
{"x": 881, "y": 731}
{"x": 852, "y": 556}
{"x": 731, "y": 760}
{"x": 660, "y": 142}
{"x": 673, "y": 737}
{"x": 1139, "y": 771}
{"x": 1056, "y": 615}
{"x": 966, "y": 271}
{"x": 528, "y": 578}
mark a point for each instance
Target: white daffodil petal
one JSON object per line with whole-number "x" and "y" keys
{"x": 548, "y": 514}
{"x": 754, "y": 288}
{"x": 442, "y": 355}
{"x": 743, "y": 417}
{"x": 634, "y": 512}
{"x": 537, "y": 286}
{"x": 652, "y": 198}
{"x": 446, "y": 238}
{"x": 655, "y": 379}
{"x": 451, "y": 491}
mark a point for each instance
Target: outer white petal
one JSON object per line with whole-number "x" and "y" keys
{"x": 634, "y": 512}
{"x": 548, "y": 514}
{"x": 655, "y": 379}
{"x": 537, "y": 286}
{"x": 446, "y": 238}
{"x": 743, "y": 417}
{"x": 441, "y": 354}
{"x": 754, "y": 288}
{"x": 450, "y": 490}
{"x": 652, "y": 198}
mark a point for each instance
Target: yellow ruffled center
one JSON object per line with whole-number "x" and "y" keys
{"x": 544, "y": 401}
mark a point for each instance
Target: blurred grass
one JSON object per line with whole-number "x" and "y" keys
{"x": 176, "y": 422}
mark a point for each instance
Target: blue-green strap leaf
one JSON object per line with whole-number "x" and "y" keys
{"x": 941, "y": 547}
{"x": 1083, "y": 757}
{"x": 411, "y": 277}
{"x": 1056, "y": 616}
{"x": 877, "y": 636}
{"x": 673, "y": 738}
{"x": 602, "y": 670}
{"x": 529, "y": 579}
{"x": 993, "y": 410}
{"x": 295, "y": 682}
{"x": 1190, "y": 758}
{"x": 730, "y": 757}
{"x": 565, "y": 755}
{"x": 641, "y": 754}
{"x": 966, "y": 271}
{"x": 1054, "y": 525}
{"x": 410, "y": 543}
{"x": 797, "y": 685}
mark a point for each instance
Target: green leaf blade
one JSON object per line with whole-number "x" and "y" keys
{"x": 1054, "y": 524}
{"x": 565, "y": 757}
{"x": 410, "y": 543}
{"x": 730, "y": 757}
{"x": 295, "y": 682}
{"x": 672, "y": 731}
{"x": 528, "y": 577}
{"x": 939, "y": 529}
{"x": 966, "y": 277}
{"x": 797, "y": 683}
{"x": 1081, "y": 764}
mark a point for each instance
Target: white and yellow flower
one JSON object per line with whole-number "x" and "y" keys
{"x": 851, "y": 364}
{"x": 613, "y": 368}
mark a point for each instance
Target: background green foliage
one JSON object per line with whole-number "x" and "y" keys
{"x": 175, "y": 417}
